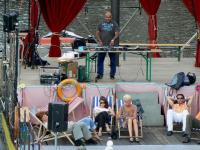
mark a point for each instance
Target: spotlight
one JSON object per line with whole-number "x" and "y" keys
{"x": 9, "y": 21}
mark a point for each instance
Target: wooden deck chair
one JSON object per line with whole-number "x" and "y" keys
{"x": 96, "y": 103}
{"x": 43, "y": 134}
{"x": 120, "y": 122}
{"x": 73, "y": 105}
{"x": 25, "y": 129}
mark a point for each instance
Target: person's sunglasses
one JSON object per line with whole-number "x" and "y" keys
{"x": 180, "y": 98}
{"x": 102, "y": 102}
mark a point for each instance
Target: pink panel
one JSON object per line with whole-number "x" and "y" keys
{"x": 37, "y": 98}
{"x": 141, "y": 87}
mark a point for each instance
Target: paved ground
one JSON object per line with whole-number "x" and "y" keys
{"x": 133, "y": 69}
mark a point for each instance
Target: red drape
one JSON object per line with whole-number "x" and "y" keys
{"x": 151, "y": 8}
{"x": 194, "y": 6}
{"x": 30, "y": 38}
{"x": 57, "y": 15}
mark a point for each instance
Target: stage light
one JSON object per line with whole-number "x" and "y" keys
{"x": 9, "y": 21}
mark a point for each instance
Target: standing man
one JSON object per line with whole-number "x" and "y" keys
{"x": 106, "y": 34}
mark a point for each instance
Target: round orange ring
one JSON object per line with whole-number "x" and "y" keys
{"x": 60, "y": 92}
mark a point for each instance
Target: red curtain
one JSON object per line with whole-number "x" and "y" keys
{"x": 57, "y": 15}
{"x": 31, "y": 37}
{"x": 194, "y": 6}
{"x": 151, "y": 8}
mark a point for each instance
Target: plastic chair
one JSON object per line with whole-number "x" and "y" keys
{"x": 43, "y": 134}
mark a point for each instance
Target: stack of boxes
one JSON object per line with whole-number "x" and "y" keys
{"x": 69, "y": 69}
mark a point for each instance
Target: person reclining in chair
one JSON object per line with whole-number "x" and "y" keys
{"x": 191, "y": 122}
{"x": 129, "y": 113}
{"x": 80, "y": 131}
{"x": 178, "y": 112}
{"x": 91, "y": 126}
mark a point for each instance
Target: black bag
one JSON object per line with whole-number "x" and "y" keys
{"x": 114, "y": 134}
{"x": 140, "y": 109}
{"x": 191, "y": 77}
{"x": 186, "y": 81}
{"x": 177, "y": 81}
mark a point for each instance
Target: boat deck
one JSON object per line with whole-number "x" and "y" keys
{"x": 154, "y": 137}
{"x": 130, "y": 70}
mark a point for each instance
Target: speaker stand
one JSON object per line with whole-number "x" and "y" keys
{"x": 56, "y": 140}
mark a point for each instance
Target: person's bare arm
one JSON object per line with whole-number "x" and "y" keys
{"x": 111, "y": 111}
{"x": 135, "y": 111}
{"x": 170, "y": 100}
{"x": 119, "y": 113}
{"x": 98, "y": 38}
{"x": 114, "y": 38}
{"x": 190, "y": 100}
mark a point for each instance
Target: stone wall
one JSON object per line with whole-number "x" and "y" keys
{"x": 175, "y": 24}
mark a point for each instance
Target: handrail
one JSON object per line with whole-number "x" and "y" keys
{"x": 146, "y": 44}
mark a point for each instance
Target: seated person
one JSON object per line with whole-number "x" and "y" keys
{"x": 91, "y": 126}
{"x": 178, "y": 112}
{"x": 102, "y": 115}
{"x": 191, "y": 122}
{"x": 80, "y": 131}
{"x": 129, "y": 112}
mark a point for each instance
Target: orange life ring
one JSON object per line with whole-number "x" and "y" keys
{"x": 60, "y": 92}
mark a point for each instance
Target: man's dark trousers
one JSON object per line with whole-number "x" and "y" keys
{"x": 100, "y": 63}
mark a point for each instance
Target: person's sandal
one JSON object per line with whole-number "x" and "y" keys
{"x": 137, "y": 140}
{"x": 131, "y": 139}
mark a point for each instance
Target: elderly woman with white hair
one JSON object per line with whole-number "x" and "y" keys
{"x": 129, "y": 112}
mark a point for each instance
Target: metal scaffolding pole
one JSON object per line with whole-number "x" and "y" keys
{"x": 115, "y": 9}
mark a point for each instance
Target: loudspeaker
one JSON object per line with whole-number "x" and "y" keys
{"x": 9, "y": 21}
{"x": 58, "y": 116}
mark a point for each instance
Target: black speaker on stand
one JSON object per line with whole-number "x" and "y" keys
{"x": 57, "y": 118}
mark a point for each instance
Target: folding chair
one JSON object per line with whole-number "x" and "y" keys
{"x": 96, "y": 103}
{"x": 73, "y": 105}
{"x": 120, "y": 122}
{"x": 44, "y": 134}
{"x": 26, "y": 131}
